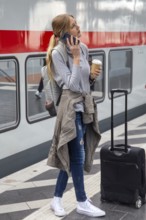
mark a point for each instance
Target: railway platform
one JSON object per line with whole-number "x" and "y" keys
{"x": 26, "y": 194}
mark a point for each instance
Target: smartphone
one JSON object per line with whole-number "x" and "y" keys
{"x": 67, "y": 35}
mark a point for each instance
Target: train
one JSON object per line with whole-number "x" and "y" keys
{"x": 115, "y": 33}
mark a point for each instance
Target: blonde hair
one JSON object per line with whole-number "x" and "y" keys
{"x": 60, "y": 25}
{"x": 52, "y": 44}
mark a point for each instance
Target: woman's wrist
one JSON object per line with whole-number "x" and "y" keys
{"x": 76, "y": 60}
{"x": 91, "y": 80}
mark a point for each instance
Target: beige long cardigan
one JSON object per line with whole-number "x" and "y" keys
{"x": 65, "y": 130}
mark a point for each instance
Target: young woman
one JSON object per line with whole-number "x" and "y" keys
{"x": 76, "y": 134}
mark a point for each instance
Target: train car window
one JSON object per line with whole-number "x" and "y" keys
{"x": 98, "y": 87}
{"x": 9, "y": 105}
{"x": 35, "y": 103}
{"x": 120, "y": 69}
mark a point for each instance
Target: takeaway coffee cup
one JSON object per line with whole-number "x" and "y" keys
{"x": 96, "y": 64}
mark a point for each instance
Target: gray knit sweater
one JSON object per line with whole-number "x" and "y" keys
{"x": 73, "y": 77}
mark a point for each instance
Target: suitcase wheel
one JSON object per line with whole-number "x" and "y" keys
{"x": 138, "y": 202}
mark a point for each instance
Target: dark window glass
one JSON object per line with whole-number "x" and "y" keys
{"x": 9, "y": 105}
{"x": 120, "y": 69}
{"x": 35, "y": 104}
{"x": 98, "y": 90}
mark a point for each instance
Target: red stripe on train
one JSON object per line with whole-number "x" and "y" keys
{"x": 12, "y": 41}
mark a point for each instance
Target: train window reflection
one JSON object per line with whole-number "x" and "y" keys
{"x": 9, "y": 108}
{"x": 35, "y": 104}
{"x": 98, "y": 87}
{"x": 120, "y": 69}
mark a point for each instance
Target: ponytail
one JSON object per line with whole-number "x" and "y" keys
{"x": 52, "y": 44}
{"x": 60, "y": 25}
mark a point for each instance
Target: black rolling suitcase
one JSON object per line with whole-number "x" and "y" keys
{"x": 122, "y": 168}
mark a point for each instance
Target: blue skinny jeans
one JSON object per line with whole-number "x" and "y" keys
{"x": 77, "y": 158}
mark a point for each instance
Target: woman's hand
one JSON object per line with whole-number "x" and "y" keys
{"x": 75, "y": 50}
{"x": 96, "y": 73}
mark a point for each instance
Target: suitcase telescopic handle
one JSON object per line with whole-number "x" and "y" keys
{"x": 113, "y": 91}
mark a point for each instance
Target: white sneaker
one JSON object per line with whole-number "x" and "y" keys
{"x": 88, "y": 209}
{"x": 56, "y": 206}
{"x": 38, "y": 94}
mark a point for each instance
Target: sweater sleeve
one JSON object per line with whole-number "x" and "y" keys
{"x": 71, "y": 78}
